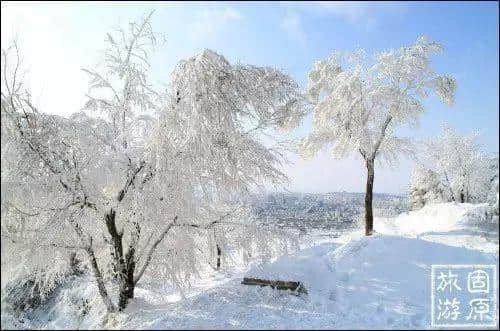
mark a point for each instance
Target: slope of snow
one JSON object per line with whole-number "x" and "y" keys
{"x": 377, "y": 282}
{"x": 435, "y": 218}
{"x": 382, "y": 281}
{"x": 461, "y": 225}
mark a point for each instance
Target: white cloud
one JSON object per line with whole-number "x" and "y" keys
{"x": 292, "y": 24}
{"x": 353, "y": 12}
{"x": 362, "y": 14}
{"x": 210, "y": 21}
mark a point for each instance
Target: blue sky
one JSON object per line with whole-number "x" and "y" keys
{"x": 58, "y": 39}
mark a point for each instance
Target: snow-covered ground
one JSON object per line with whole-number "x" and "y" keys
{"x": 461, "y": 225}
{"x": 353, "y": 282}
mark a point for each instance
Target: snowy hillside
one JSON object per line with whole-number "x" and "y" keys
{"x": 381, "y": 281}
{"x": 462, "y": 225}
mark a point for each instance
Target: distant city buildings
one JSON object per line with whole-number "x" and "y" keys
{"x": 315, "y": 211}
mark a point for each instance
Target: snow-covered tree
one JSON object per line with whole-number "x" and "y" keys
{"x": 425, "y": 188}
{"x": 467, "y": 174}
{"x": 358, "y": 105}
{"x": 147, "y": 176}
{"x": 493, "y": 195}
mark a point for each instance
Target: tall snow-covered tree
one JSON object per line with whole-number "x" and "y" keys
{"x": 358, "y": 105}
{"x": 116, "y": 183}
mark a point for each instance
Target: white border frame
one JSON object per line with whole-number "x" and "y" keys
{"x": 463, "y": 266}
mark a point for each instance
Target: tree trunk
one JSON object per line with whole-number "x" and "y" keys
{"x": 127, "y": 287}
{"x": 75, "y": 264}
{"x": 110, "y": 307}
{"x": 448, "y": 184}
{"x": 127, "y": 283}
{"x": 218, "y": 257}
{"x": 100, "y": 282}
{"x": 125, "y": 265}
{"x": 369, "y": 198}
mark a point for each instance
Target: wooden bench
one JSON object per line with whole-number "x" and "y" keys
{"x": 296, "y": 287}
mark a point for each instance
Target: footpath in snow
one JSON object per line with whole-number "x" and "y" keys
{"x": 358, "y": 282}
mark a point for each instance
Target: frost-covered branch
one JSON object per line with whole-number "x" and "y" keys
{"x": 152, "y": 249}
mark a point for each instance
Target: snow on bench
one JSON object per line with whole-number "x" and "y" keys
{"x": 297, "y": 287}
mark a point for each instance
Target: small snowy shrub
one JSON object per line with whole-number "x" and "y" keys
{"x": 26, "y": 288}
{"x": 483, "y": 217}
{"x": 30, "y": 291}
{"x": 22, "y": 295}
